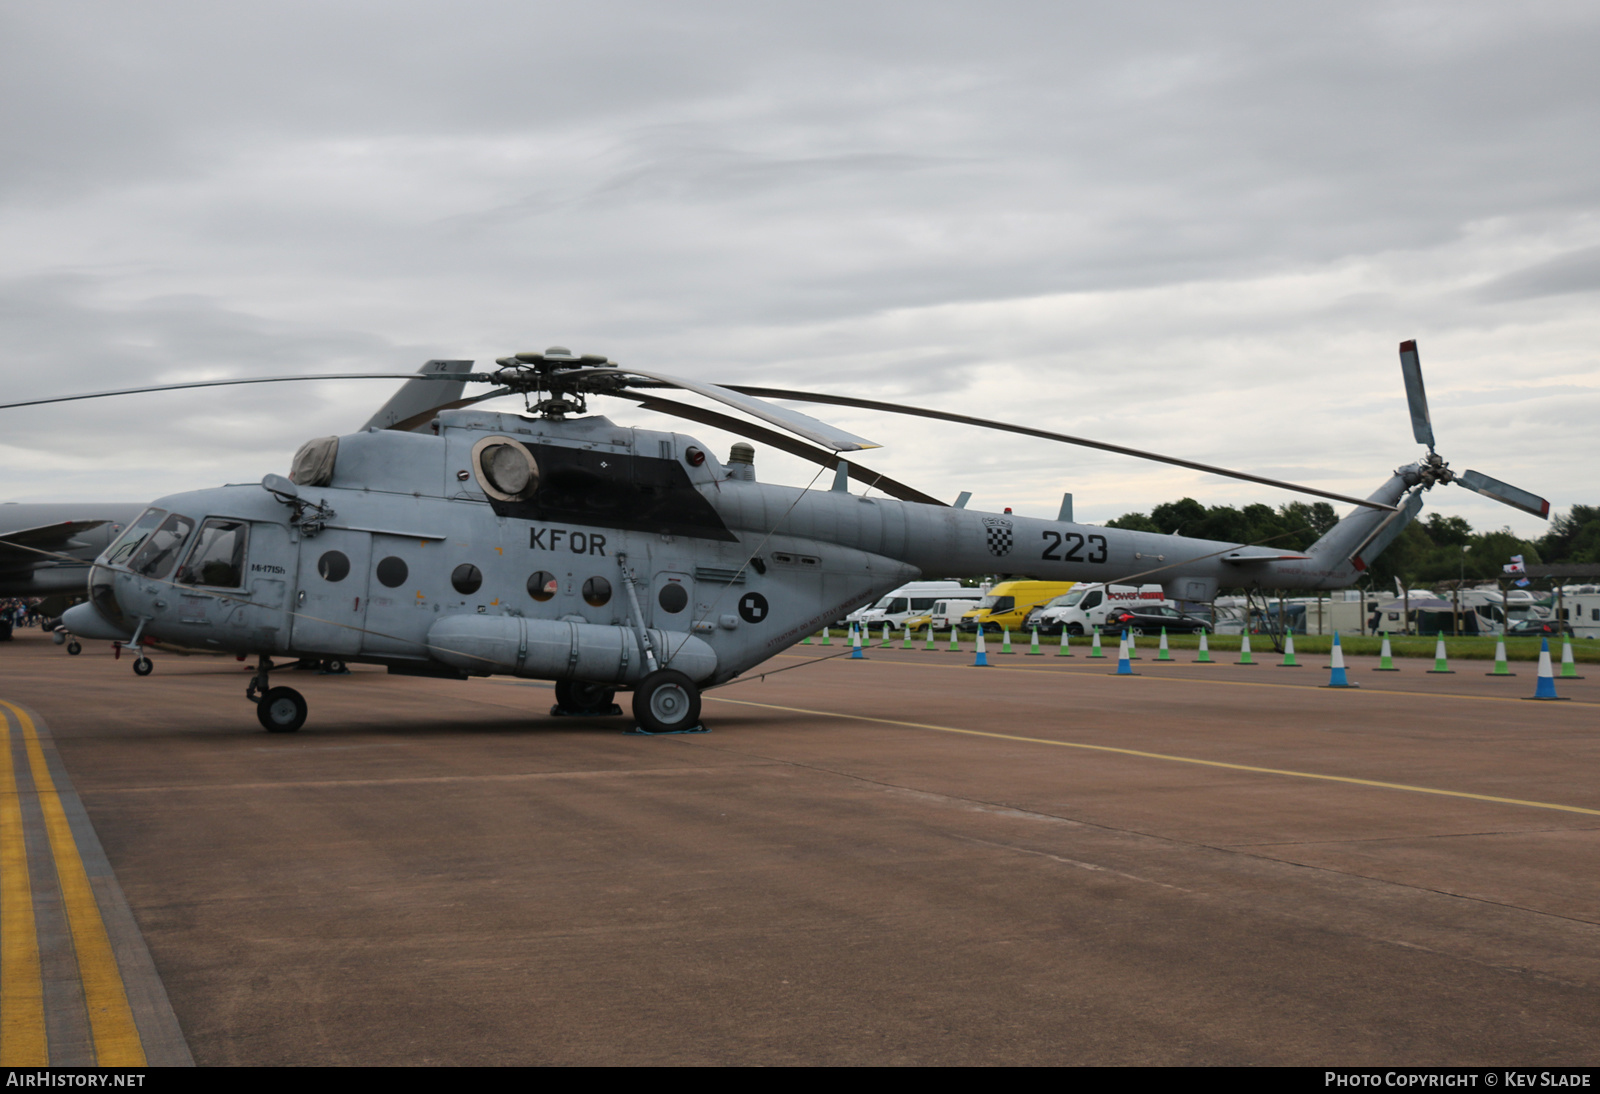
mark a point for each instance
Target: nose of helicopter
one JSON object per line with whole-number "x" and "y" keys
{"x": 85, "y": 621}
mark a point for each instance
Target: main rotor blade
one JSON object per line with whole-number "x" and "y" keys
{"x": 1505, "y": 493}
{"x": 781, "y": 442}
{"x": 810, "y": 428}
{"x": 1028, "y": 431}
{"x": 1411, "y": 369}
{"x": 456, "y": 376}
{"x": 408, "y": 424}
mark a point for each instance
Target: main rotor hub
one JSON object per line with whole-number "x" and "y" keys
{"x": 563, "y": 377}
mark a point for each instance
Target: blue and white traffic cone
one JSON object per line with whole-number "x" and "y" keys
{"x": 1546, "y": 688}
{"x": 1337, "y": 677}
{"x": 855, "y": 645}
{"x": 982, "y": 660}
{"x": 1124, "y": 666}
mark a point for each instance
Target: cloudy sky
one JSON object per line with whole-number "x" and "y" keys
{"x": 1199, "y": 228}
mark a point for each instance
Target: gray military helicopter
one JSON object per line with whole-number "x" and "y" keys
{"x": 557, "y": 545}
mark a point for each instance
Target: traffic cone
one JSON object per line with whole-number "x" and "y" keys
{"x": 888, "y": 637}
{"x": 1244, "y": 649}
{"x": 826, "y": 641}
{"x": 1005, "y": 642}
{"x": 1124, "y": 665}
{"x": 905, "y": 641}
{"x": 1133, "y": 646}
{"x": 1569, "y": 667}
{"x": 1164, "y": 654}
{"x": 1546, "y": 687}
{"x": 1066, "y": 645}
{"x": 1205, "y": 652}
{"x": 1440, "y": 664}
{"x": 929, "y": 644}
{"x": 955, "y": 639}
{"x": 1094, "y": 649}
{"x": 855, "y": 646}
{"x": 1034, "y": 650}
{"x": 982, "y": 660}
{"x": 1337, "y": 677}
{"x": 1500, "y": 666}
{"x": 1385, "y": 657}
{"x": 1288, "y": 654}
{"x": 806, "y": 641}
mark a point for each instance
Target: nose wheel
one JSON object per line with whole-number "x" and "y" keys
{"x": 143, "y": 667}
{"x": 281, "y": 710}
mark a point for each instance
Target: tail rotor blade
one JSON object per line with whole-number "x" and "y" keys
{"x": 1505, "y": 493}
{"x": 1411, "y": 369}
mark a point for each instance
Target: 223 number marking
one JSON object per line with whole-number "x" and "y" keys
{"x": 1073, "y": 544}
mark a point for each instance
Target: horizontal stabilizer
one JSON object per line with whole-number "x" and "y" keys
{"x": 1239, "y": 558}
{"x": 46, "y": 537}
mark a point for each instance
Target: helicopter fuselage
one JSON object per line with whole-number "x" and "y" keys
{"x": 623, "y": 551}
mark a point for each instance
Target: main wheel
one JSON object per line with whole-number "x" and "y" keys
{"x": 666, "y": 701}
{"x": 582, "y": 697}
{"x": 143, "y": 667}
{"x": 281, "y": 710}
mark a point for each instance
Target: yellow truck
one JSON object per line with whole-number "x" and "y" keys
{"x": 1009, "y": 603}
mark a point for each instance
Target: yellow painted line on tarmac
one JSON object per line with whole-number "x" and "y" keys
{"x": 1109, "y": 669}
{"x": 1171, "y": 759}
{"x": 116, "y": 1037}
{"x": 22, "y": 1036}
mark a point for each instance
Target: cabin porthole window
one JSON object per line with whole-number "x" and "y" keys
{"x": 673, "y": 598}
{"x": 333, "y": 566}
{"x": 393, "y": 571}
{"x": 542, "y": 585}
{"x": 466, "y": 578}
{"x": 596, "y": 592}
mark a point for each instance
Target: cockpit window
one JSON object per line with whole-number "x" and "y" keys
{"x": 218, "y": 556}
{"x": 131, "y": 540}
{"x": 160, "y": 551}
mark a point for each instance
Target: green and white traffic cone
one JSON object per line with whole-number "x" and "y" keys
{"x": 826, "y": 641}
{"x": 1288, "y": 653}
{"x": 1441, "y": 664}
{"x": 1569, "y": 667}
{"x": 955, "y": 639}
{"x": 806, "y": 641}
{"x": 1500, "y": 666}
{"x": 888, "y": 637}
{"x": 1133, "y": 645}
{"x": 1205, "y": 652}
{"x": 929, "y": 645}
{"x": 1244, "y": 649}
{"x": 1034, "y": 650}
{"x": 1386, "y": 657}
{"x": 905, "y": 642}
{"x": 1005, "y": 641}
{"x": 1066, "y": 645}
{"x": 1094, "y": 648}
{"x": 1164, "y": 654}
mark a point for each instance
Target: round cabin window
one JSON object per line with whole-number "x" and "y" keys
{"x": 596, "y": 591}
{"x": 542, "y": 586}
{"x": 333, "y": 566}
{"x": 393, "y": 571}
{"x": 466, "y": 578}
{"x": 672, "y": 598}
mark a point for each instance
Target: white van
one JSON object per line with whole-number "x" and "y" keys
{"x": 1086, "y": 606}
{"x": 914, "y": 601}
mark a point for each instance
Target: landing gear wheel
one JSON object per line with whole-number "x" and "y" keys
{"x": 74, "y": 648}
{"x": 281, "y": 710}
{"x": 666, "y": 701}
{"x": 582, "y": 697}
{"x": 334, "y": 667}
{"x": 143, "y": 667}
